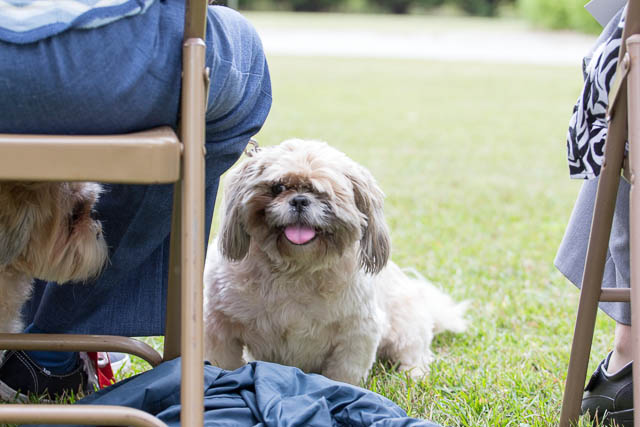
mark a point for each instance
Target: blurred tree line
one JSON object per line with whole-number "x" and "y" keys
{"x": 554, "y": 14}
{"x": 471, "y": 7}
{"x": 559, "y": 14}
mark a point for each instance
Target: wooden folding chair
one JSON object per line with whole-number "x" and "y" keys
{"x": 624, "y": 124}
{"x": 149, "y": 157}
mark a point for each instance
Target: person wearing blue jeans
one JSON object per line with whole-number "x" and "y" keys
{"x": 111, "y": 69}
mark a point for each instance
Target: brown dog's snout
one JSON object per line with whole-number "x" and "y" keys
{"x": 298, "y": 203}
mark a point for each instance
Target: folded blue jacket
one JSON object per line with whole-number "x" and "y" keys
{"x": 258, "y": 394}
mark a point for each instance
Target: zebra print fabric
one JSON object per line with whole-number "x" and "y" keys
{"x": 588, "y": 124}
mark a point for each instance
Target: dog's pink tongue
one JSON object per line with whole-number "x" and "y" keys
{"x": 299, "y": 234}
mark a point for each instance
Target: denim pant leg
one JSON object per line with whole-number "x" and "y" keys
{"x": 130, "y": 296}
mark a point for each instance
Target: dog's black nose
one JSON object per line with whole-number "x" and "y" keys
{"x": 299, "y": 202}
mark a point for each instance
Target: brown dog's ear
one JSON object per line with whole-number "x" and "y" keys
{"x": 14, "y": 236}
{"x": 375, "y": 244}
{"x": 16, "y": 222}
{"x": 234, "y": 240}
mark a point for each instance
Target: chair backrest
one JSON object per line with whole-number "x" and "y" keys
{"x": 171, "y": 159}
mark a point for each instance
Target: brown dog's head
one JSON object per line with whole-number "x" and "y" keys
{"x": 47, "y": 231}
{"x": 304, "y": 204}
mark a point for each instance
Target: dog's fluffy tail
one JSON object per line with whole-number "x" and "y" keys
{"x": 416, "y": 310}
{"x": 448, "y": 315}
{"x": 423, "y": 296}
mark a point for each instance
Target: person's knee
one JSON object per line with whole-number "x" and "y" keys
{"x": 231, "y": 36}
{"x": 240, "y": 94}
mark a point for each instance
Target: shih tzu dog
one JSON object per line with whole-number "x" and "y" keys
{"x": 299, "y": 273}
{"x": 46, "y": 232}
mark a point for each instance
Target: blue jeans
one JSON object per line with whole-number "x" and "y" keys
{"x": 125, "y": 77}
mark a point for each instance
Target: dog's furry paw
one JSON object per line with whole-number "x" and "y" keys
{"x": 414, "y": 372}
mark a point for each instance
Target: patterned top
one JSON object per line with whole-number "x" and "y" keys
{"x": 588, "y": 124}
{"x": 27, "y": 21}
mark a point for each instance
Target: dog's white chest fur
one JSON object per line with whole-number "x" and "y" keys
{"x": 296, "y": 321}
{"x": 292, "y": 334}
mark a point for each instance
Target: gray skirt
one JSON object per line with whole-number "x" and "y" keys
{"x": 573, "y": 249}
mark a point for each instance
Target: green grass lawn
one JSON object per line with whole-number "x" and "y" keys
{"x": 472, "y": 160}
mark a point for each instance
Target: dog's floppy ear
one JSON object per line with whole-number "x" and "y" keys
{"x": 14, "y": 236}
{"x": 16, "y": 223}
{"x": 375, "y": 244}
{"x": 234, "y": 240}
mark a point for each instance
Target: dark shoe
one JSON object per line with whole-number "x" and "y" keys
{"x": 20, "y": 377}
{"x": 609, "y": 398}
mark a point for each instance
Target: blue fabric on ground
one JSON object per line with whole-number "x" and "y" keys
{"x": 258, "y": 394}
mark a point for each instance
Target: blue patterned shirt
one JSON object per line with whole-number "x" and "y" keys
{"x": 26, "y": 21}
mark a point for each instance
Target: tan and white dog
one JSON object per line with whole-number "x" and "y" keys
{"x": 46, "y": 232}
{"x": 299, "y": 274}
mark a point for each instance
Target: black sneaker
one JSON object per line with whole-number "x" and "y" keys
{"x": 608, "y": 398}
{"x": 21, "y": 377}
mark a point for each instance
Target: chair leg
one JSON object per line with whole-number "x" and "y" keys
{"x": 77, "y": 414}
{"x": 586, "y": 318}
{"x": 172, "y": 321}
{"x": 76, "y": 342}
{"x": 593, "y": 272}
{"x": 635, "y": 293}
{"x": 633, "y": 102}
{"x": 193, "y": 128}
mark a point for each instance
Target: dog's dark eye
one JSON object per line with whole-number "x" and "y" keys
{"x": 277, "y": 189}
